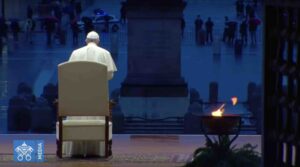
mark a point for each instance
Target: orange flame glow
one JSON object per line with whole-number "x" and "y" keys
{"x": 219, "y": 112}
{"x": 234, "y": 100}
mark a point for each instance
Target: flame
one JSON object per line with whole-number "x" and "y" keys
{"x": 219, "y": 112}
{"x": 234, "y": 100}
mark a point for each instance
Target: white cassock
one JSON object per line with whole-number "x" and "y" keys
{"x": 93, "y": 53}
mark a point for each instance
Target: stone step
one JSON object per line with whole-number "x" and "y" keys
{"x": 153, "y": 132}
{"x": 172, "y": 131}
{"x": 155, "y": 121}
{"x": 248, "y": 128}
{"x": 139, "y": 126}
{"x": 169, "y": 127}
{"x": 153, "y": 125}
{"x": 153, "y": 128}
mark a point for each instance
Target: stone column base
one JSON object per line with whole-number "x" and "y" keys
{"x": 154, "y": 107}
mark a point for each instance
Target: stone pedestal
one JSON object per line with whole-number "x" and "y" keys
{"x": 154, "y": 88}
{"x": 154, "y": 107}
{"x": 154, "y": 47}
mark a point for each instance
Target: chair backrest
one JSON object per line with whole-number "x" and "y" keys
{"x": 82, "y": 89}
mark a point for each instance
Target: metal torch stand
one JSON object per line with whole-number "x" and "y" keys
{"x": 222, "y": 135}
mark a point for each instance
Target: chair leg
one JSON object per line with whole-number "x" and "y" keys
{"x": 59, "y": 140}
{"x": 106, "y": 137}
{"x": 59, "y": 148}
{"x": 109, "y": 148}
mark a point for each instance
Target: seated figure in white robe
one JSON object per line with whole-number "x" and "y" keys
{"x": 90, "y": 52}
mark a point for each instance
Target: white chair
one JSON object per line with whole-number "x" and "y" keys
{"x": 83, "y": 91}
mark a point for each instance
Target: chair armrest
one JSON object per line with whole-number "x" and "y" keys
{"x": 112, "y": 104}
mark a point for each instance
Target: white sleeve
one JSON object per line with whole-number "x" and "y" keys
{"x": 110, "y": 75}
{"x": 72, "y": 57}
{"x": 111, "y": 67}
{"x": 110, "y": 63}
